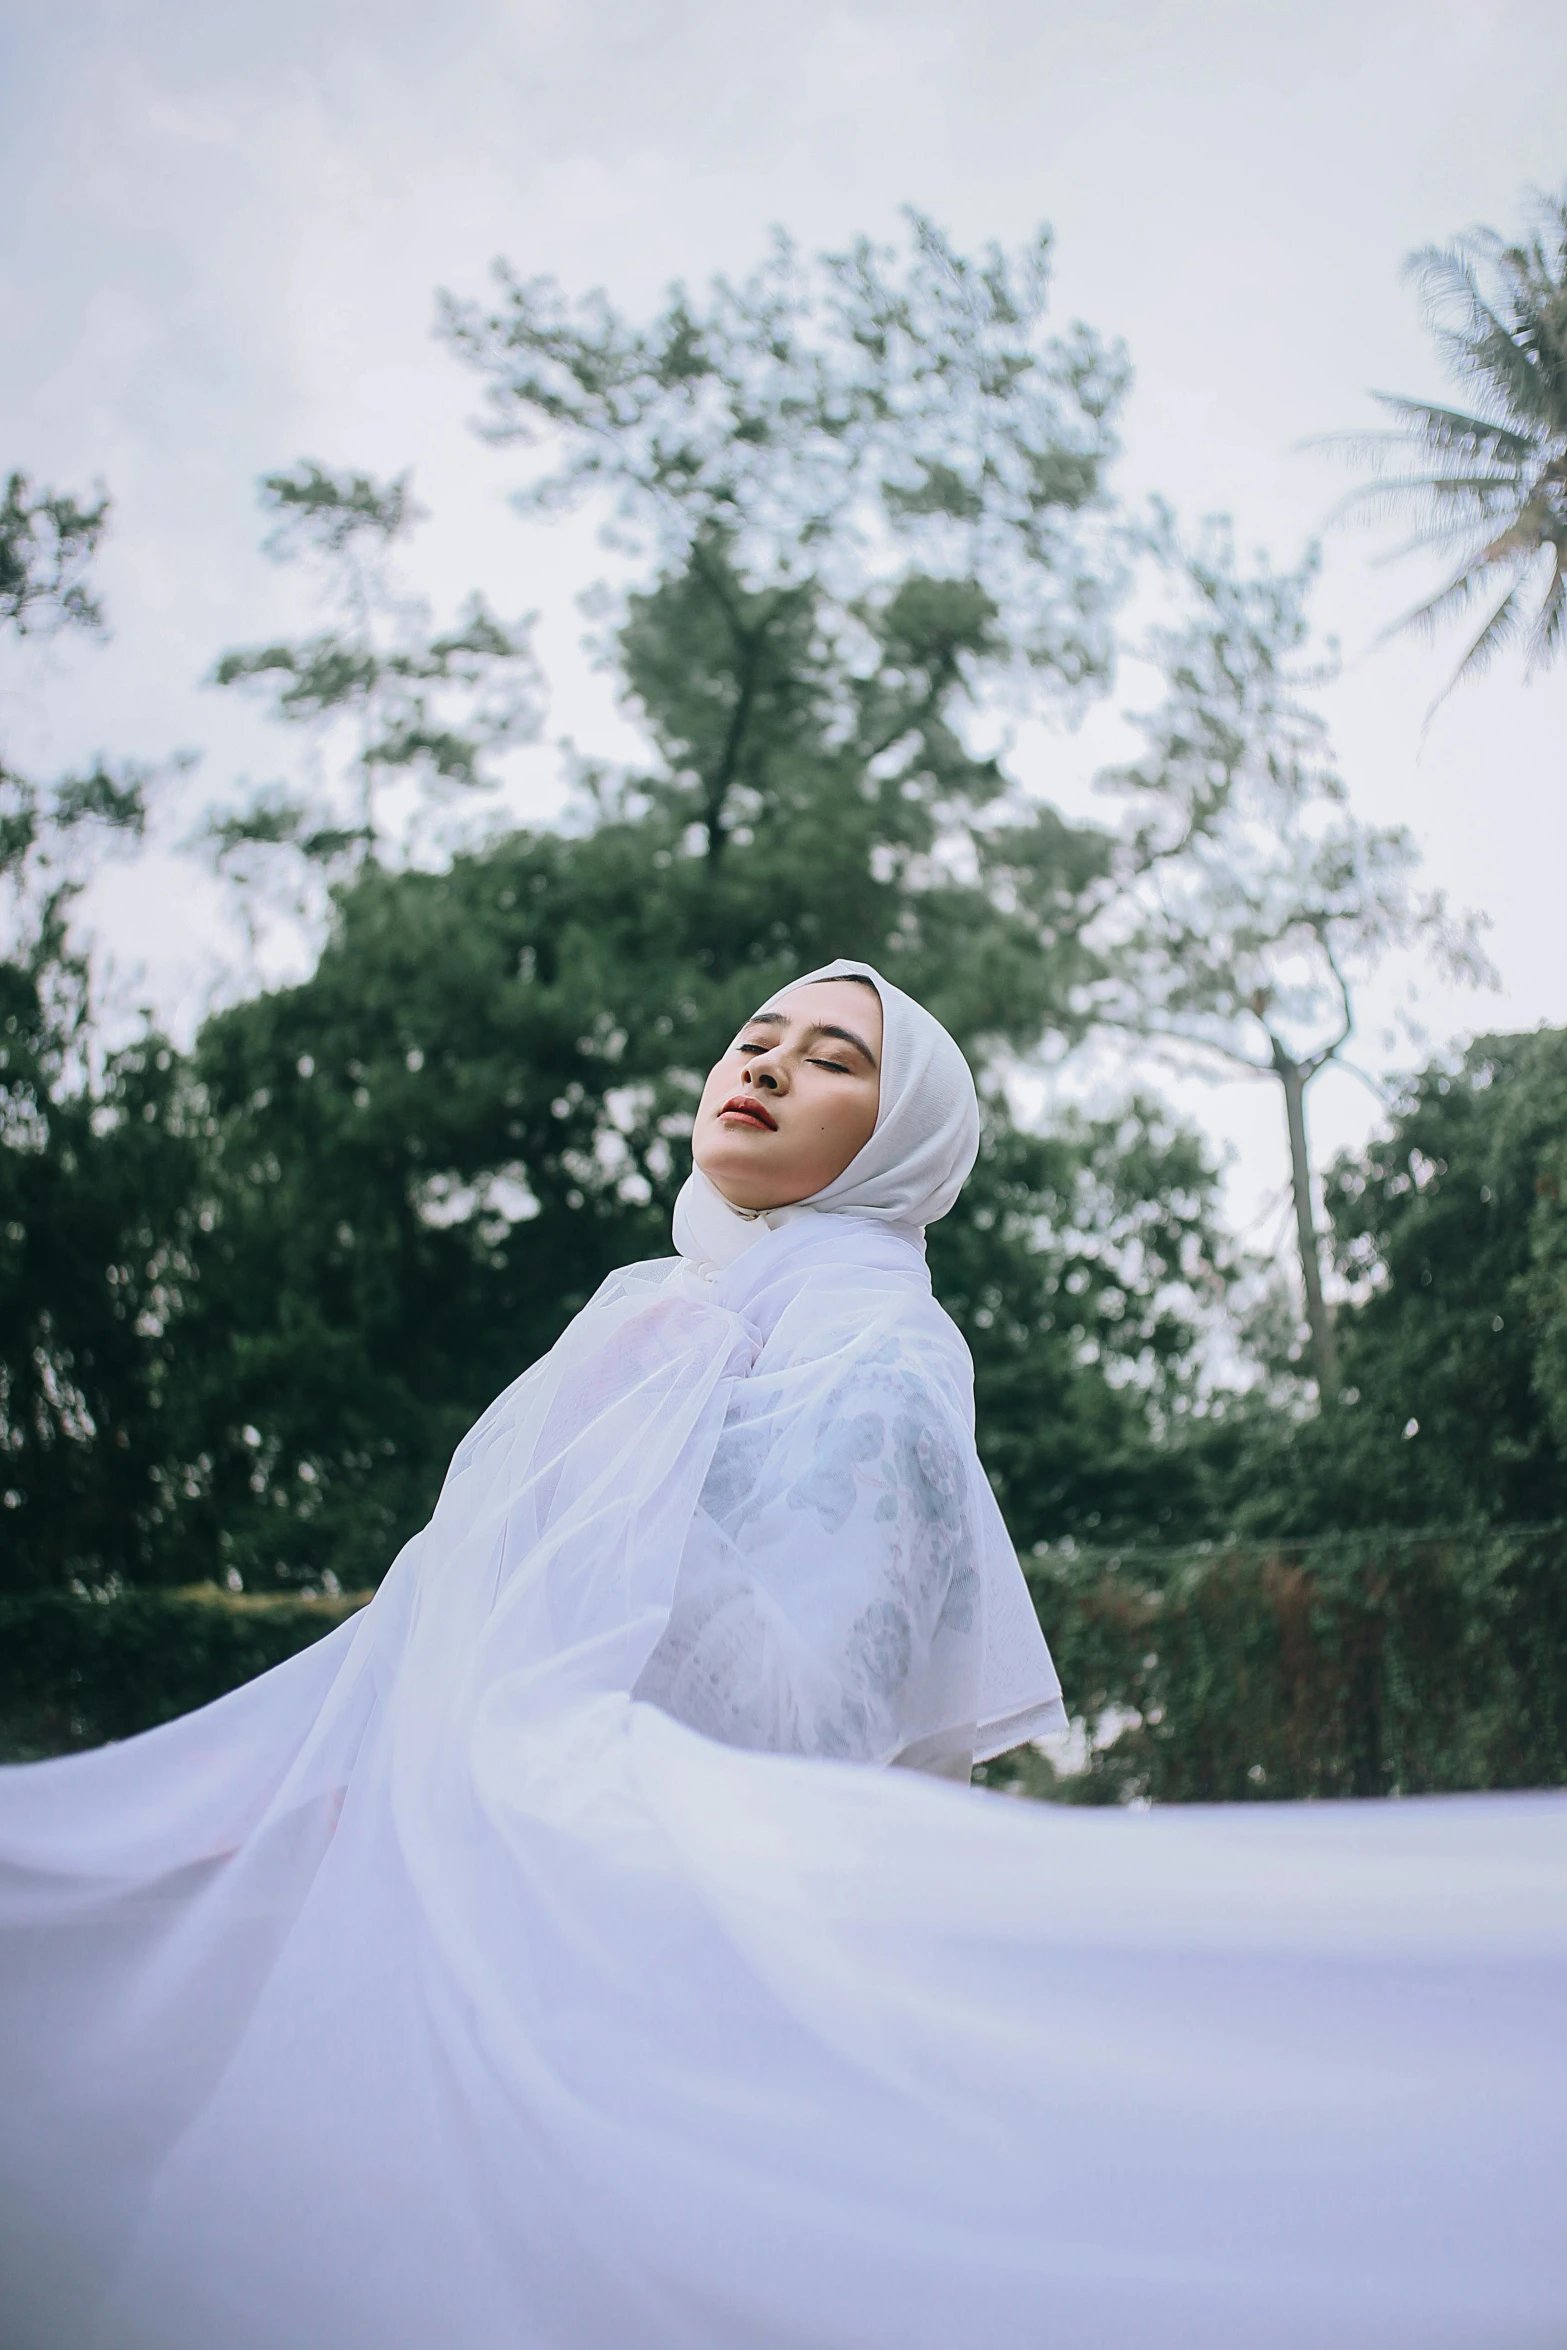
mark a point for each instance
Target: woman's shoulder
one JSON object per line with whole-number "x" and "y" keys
{"x": 868, "y": 1337}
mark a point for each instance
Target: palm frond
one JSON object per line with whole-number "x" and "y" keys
{"x": 1485, "y": 480}
{"x": 1485, "y": 488}
{"x": 1454, "y": 428}
{"x": 1502, "y": 625}
{"x": 1427, "y": 616}
{"x": 1550, "y": 623}
{"x": 1437, "y": 536}
{"x": 1482, "y": 344}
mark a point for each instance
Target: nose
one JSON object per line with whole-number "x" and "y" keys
{"x": 764, "y": 1071}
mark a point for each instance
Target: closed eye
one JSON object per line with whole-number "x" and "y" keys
{"x": 748, "y": 1045}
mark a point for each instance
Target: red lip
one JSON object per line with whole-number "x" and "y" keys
{"x": 747, "y": 1106}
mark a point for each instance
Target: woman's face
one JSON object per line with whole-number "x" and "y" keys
{"x": 794, "y": 1098}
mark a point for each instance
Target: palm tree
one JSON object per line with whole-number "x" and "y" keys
{"x": 1487, "y": 482}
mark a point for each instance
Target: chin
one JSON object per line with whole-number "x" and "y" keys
{"x": 744, "y": 1182}
{"x": 743, "y": 1188}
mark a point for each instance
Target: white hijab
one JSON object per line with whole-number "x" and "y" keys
{"x": 925, "y": 1140}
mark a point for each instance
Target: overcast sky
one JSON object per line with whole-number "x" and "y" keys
{"x": 221, "y": 228}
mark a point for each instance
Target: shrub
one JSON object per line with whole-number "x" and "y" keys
{"x": 1374, "y": 1663}
{"x": 77, "y": 1669}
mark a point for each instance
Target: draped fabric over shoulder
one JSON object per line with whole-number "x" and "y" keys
{"x": 541, "y": 1959}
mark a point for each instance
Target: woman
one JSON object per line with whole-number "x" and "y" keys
{"x": 467, "y": 1983}
{"x": 856, "y": 1596}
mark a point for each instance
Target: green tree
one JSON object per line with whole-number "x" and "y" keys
{"x": 423, "y": 1160}
{"x": 808, "y": 803}
{"x": 1543, "y": 1290}
{"x": 95, "y": 1163}
{"x": 407, "y": 717}
{"x": 427, "y": 1156}
{"x": 1253, "y": 897}
{"x": 1086, "y": 1270}
{"x": 47, "y": 541}
{"x": 840, "y": 421}
{"x": 1448, "y": 1227}
{"x": 1486, "y": 484}
{"x": 874, "y": 495}
{"x": 1447, "y": 1234}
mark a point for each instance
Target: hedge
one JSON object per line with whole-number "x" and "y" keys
{"x": 77, "y": 1670}
{"x": 1366, "y": 1664}
{"x": 1378, "y": 1663}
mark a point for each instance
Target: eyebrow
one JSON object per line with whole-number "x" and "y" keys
{"x": 815, "y": 1028}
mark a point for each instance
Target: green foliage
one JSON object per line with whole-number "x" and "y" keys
{"x": 47, "y": 540}
{"x": 1082, "y": 1267}
{"x": 1367, "y": 1664}
{"x": 423, "y": 1161}
{"x": 1449, "y": 1229}
{"x": 1487, "y": 484}
{"x": 1253, "y": 899}
{"x": 95, "y": 1160}
{"x": 422, "y": 707}
{"x": 871, "y": 488}
{"x": 841, "y": 805}
{"x": 329, "y": 514}
{"x": 836, "y": 420}
{"x": 77, "y": 1668}
{"x": 50, "y": 832}
{"x": 1542, "y": 1290}
{"x": 1452, "y": 1226}
{"x": 94, "y": 1264}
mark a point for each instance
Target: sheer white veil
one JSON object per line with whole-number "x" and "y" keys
{"x": 916, "y": 1162}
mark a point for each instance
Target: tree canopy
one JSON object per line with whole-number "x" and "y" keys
{"x": 1253, "y": 899}
{"x": 94, "y": 1157}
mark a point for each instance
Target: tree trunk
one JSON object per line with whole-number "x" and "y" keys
{"x": 717, "y": 787}
{"x": 1294, "y": 1076}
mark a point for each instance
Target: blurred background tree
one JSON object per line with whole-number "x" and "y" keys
{"x": 1254, "y": 899}
{"x": 1447, "y": 1233}
{"x": 873, "y": 490}
{"x": 837, "y": 421}
{"x": 404, "y": 718}
{"x": 96, "y": 1159}
{"x": 1486, "y": 484}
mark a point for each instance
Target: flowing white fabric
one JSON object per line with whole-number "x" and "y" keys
{"x": 438, "y": 1991}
